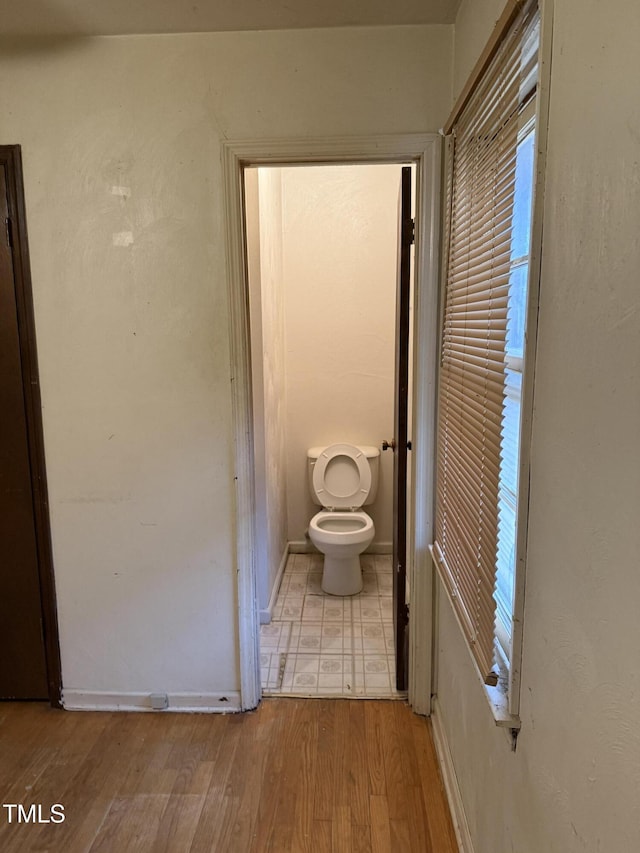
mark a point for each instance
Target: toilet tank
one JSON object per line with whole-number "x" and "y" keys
{"x": 373, "y": 457}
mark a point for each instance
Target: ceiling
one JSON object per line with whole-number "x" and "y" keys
{"x": 120, "y": 17}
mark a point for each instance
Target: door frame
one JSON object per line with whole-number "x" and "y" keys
{"x": 11, "y": 158}
{"x": 425, "y": 151}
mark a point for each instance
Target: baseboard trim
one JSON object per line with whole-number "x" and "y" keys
{"x": 209, "y": 703}
{"x": 450, "y": 780}
{"x": 380, "y": 548}
{"x": 267, "y": 613}
{"x": 304, "y": 547}
{"x": 307, "y": 548}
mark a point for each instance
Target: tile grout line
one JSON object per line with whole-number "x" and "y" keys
{"x": 283, "y": 660}
{"x": 353, "y": 656}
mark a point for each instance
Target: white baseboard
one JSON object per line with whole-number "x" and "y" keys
{"x": 87, "y": 700}
{"x": 380, "y": 548}
{"x": 306, "y": 547}
{"x": 450, "y": 780}
{"x": 267, "y": 613}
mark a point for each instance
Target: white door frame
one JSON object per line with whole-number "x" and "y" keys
{"x": 423, "y": 150}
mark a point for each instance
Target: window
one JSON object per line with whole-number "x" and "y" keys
{"x": 514, "y": 362}
{"x": 483, "y": 346}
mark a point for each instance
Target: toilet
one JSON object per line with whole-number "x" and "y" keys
{"x": 342, "y": 479}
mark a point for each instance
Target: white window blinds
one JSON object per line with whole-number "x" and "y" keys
{"x": 472, "y": 389}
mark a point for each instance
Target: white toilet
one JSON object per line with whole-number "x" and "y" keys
{"x": 342, "y": 478}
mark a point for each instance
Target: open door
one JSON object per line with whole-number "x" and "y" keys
{"x": 29, "y": 653}
{"x": 400, "y": 440}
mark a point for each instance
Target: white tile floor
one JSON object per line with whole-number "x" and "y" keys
{"x": 324, "y": 645}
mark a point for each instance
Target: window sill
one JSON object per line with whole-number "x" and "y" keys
{"x": 499, "y": 705}
{"x": 496, "y": 697}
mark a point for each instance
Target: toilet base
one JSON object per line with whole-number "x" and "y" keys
{"x": 342, "y": 575}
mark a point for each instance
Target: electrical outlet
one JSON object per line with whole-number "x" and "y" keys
{"x": 159, "y": 701}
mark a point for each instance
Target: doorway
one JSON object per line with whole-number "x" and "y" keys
{"x": 424, "y": 152}
{"x": 29, "y": 652}
{"x": 322, "y": 250}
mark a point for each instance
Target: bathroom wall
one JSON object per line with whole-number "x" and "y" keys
{"x": 340, "y": 238}
{"x": 263, "y": 213}
{"x": 121, "y": 147}
{"x": 573, "y": 783}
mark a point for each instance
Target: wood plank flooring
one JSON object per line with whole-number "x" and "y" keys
{"x": 301, "y": 775}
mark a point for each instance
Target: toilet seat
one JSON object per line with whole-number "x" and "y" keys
{"x": 338, "y": 485}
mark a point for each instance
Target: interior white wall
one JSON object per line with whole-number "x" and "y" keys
{"x": 263, "y": 198}
{"x": 572, "y": 784}
{"x": 474, "y": 23}
{"x": 340, "y": 249}
{"x": 254, "y": 277}
{"x": 121, "y": 147}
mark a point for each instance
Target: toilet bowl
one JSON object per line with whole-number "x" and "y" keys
{"x": 342, "y": 478}
{"x": 341, "y": 537}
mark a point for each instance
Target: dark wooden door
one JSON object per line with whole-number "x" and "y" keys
{"x": 23, "y": 665}
{"x": 400, "y": 441}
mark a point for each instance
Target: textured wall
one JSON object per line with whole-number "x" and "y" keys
{"x": 121, "y": 144}
{"x": 272, "y": 359}
{"x": 340, "y": 245}
{"x": 263, "y": 215}
{"x": 474, "y": 23}
{"x": 574, "y": 782}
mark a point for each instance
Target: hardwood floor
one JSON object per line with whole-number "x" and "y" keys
{"x": 296, "y": 775}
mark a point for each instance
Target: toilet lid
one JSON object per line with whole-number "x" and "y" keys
{"x": 342, "y": 477}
